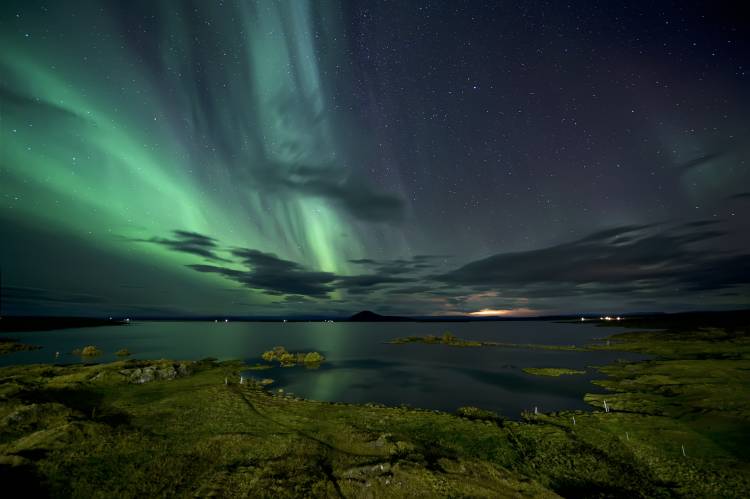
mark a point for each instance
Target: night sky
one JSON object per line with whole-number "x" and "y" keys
{"x": 290, "y": 158}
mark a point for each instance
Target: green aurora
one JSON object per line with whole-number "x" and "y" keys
{"x": 101, "y": 148}
{"x": 318, "y": 158}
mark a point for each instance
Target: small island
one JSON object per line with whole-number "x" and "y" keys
{"x": 289, "y": 359}
{"x": 8, "y": 345}
{"x": 447, "y": 338}
{"x": 87, "y": 351}
{"x": 551, "y": 371}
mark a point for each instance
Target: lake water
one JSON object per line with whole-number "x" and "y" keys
{"x": 360, "y": 366}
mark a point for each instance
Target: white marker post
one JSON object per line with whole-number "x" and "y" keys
{"x": 574, "y": 420}
{"x": 226, "y": 381}
{"x": 683, "y": 451}
{"x": 242, "y": 380}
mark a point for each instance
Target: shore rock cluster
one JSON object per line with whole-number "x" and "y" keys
{"x": 140, "y": 375}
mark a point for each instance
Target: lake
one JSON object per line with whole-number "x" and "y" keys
{"x": 360, "y": 366}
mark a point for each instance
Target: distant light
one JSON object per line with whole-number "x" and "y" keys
{"x": 226, "y": 320}
{"x": 583, "y": 319}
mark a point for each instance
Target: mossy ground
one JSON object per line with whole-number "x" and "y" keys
{"x": 84, "y": 431}
{"x": 448, "y": 339}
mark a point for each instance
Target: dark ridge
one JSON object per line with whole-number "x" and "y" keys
{"x": 19, "y": 323}
{"x": 731, "y": 319}
{"x": 368, "y": 316}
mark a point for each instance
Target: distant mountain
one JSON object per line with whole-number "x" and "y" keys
{"x": 368, "y": 316}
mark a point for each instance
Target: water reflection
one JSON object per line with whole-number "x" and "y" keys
{"x": 361, "y": 366}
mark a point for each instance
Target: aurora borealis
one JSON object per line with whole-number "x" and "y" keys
{"x": 288, "y": 158}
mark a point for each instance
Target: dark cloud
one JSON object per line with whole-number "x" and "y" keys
{"x": 633, "y": 262}
{"x": 297, "y": 299}
{"x": 25, "y": 294}
{"x": 365, "y": 283}
{"x": 620, "y": 260}
{"x": 740, "y": 195}
{"x": 363, "y": 261}
{"x": 399, "y": 266}
{"x": 699, "y": 161}
{"x": 30, "y": 106}
{"x": 335, "y": 185}
{"x": 273, "y": 275}
{"x": 417, "y": 289}
{"x": 190, "y": 242}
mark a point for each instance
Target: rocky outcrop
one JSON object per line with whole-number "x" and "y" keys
{"x": 156, "y": 372}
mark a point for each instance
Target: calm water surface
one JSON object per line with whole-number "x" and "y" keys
{"x": 360, "y": 366}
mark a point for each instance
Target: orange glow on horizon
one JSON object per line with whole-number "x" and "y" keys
{"x": 499, "y": 312}
{"x": 486, "y": 312}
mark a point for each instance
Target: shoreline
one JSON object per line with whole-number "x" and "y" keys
{"x": 675, "y": 424}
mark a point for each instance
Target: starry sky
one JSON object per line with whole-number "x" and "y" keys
{"x": 292, "y": 158}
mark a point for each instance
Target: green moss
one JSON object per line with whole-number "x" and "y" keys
{"x": 313, "y": 358}
{"x": 448, "y": 339}
{"x": 445, "y": 339}
{"x": 551, "y": 371}
{"x": 87, "y": 351}
{"x": 85, "y": 430}
{"x": 289, "y": 359}
{"x": 475, "y": 413}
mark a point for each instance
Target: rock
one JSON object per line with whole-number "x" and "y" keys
{"x": 140, "y": 375}
{"x": 362, "y": 473}
{"x": 34, "y": 415}
{"x": 383, "y": 440}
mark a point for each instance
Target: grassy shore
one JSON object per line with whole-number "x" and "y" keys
{"x": 676, "y": 426}
{"x": 552, "y": 371}
{"x": 448, "y": 339}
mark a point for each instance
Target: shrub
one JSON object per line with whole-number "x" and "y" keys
{"x": 477, "y": 414}
{"x": 88, "y": 351}
{"x": 313, "y": 358}
{"x": 123, "y": 352}
{"x": 276, "y": 354}
{"x": 287, "y": 359}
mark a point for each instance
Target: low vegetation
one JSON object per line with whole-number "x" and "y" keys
{"x": 289, "y": 359}
{"x": 551, "y": 371}
{"x": 477, "y": 414}
{"x": 673, "y": 426}
{"x": 8, "y": 345}
{"x": 87, "y": 351}
{"x": 447, "y": 338}
{"x": 123, "y": 352}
